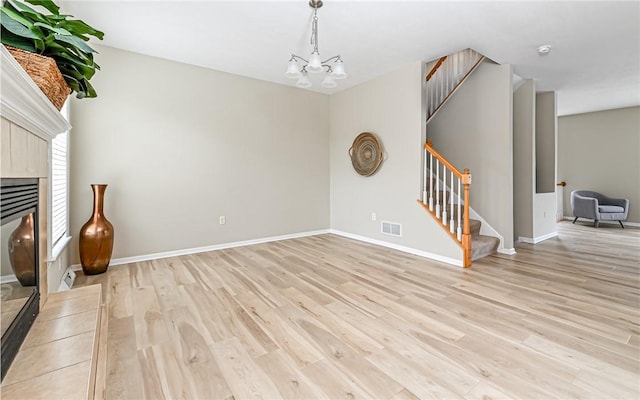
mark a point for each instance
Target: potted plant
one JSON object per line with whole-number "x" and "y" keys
{"x": 54, "y": 35}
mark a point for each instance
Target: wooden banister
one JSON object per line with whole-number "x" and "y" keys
{"x": 443, "y": 160}
{"x": 435, "y": 67}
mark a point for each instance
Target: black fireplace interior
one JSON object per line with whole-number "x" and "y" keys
{"x": 19, "y": 293}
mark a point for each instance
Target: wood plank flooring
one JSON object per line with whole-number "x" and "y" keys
{"x": 327, "y": 317}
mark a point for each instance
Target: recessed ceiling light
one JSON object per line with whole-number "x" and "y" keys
{"x": 544, "y": 50}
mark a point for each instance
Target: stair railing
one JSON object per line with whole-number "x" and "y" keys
{"x": 446, "y": 76}
{"x": 450, "y": 205}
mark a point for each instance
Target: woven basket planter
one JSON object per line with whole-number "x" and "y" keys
{"x": 45, "y": 73}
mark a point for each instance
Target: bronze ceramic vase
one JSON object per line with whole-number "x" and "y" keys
{"x": 96, "y": 237}
{"x": 22, "y": 251}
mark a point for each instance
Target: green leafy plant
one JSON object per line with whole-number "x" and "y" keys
{"x": 53, "y": 35}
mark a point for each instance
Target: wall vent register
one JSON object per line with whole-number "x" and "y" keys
{"x": 391, "y": 228}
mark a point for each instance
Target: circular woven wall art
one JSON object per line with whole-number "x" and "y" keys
{"x": 366, "y": 154}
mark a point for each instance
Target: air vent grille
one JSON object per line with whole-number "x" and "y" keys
{"x": 391, "y": 228}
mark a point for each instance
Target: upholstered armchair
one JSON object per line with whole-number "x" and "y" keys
{"x": 598, "y": 207}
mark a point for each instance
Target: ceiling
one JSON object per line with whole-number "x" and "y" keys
{"x": 594, "y": 62}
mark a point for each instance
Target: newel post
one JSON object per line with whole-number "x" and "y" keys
{"x": 466, "y": 230}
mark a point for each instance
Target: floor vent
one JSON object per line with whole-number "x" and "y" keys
{"x": 391, "y": 228}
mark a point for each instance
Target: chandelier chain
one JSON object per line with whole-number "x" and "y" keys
{"x": 314, "y": 31}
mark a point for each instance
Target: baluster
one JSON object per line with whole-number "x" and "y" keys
{"x": 441, "y": 97}
{"x": 451, "y": 223}
{"x": 459, "y": 231}
{"x": 437, "y": 188}
{"x": 444, "y": 195}
{"x": 424, "y": 183}
{"x": 430, "y": 181}
{"x": 429, "y": 97}
{"x": 447, "y": 82}
{"x": 452, "y": 80}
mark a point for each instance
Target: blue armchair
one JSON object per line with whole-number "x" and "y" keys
{"x": 598, "y": 207}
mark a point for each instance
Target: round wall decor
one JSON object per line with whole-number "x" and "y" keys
{"x": 366, "y": 154}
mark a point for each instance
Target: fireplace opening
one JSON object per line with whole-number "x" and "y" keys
{"x": 19, "y": 278}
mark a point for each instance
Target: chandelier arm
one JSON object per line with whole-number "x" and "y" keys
{"x": 334, "y": 58}
{"x": 297, "y": 57}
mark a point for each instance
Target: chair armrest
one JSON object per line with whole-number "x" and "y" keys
{"x": 616, "y": 202}
{"x": 586, "y": 207}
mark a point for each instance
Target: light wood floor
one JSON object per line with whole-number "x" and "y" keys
{"x": 328, "y": 317}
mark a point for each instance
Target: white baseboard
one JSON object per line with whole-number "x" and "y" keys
{"x": 626, "y": 223}
{"x": 8, "y": 279}
{"x": 421, "y": 253}
{"x": 195, "y": 250}
{"x": 508, "y": 252}
{"x": 537, "y": 239}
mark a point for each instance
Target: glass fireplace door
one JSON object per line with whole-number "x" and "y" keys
{"x": 19, "y": 296}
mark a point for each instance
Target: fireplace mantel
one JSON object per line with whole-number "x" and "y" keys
{"x": 24, "y": 104}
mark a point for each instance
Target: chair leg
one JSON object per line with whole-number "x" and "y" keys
{"x": 621, "y": 224}
{"x": 574, "y": 221}
{"x": 596, "y": 223}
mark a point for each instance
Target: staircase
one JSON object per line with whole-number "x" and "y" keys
{"x": 446, "y": 189}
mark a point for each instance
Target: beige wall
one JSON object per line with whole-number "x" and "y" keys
{"x": 524, "y": 127}
{"x": 474, "y": 130}
{"x": 390, "y": 107}
{"x": 599, "y": 151}
{"x": 180, "y": 146}
{"x": 546, "y": 139}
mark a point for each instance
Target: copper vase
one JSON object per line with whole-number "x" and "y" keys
{"x": 96, "y": 237}
{"x": 22, "y": 251}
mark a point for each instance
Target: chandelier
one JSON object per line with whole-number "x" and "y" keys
{"x": 332, "y": 66}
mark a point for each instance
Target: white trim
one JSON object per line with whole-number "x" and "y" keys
{"x": 24, "y": 104}
{"x": 59, "y": 248}
{"x": 508, "y": 252}
{"x": 421, "y": 253}
{"x": 195, "y": 250}
{"x": 636, "y": 224}
{"x": 537, "y": 239}
{"x": 8, "y": 279}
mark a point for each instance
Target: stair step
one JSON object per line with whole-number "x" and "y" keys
{"x": 482, "y": 246}
{"x": 474, "y": 227}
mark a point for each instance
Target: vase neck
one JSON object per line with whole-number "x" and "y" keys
{"x": 98, "y": 199}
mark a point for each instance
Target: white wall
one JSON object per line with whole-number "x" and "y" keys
{"x": 390, "y": 107}
{"x": 180, "y": 146}
{"x": 599, "y": 151}
{"x": 524, "y": 127}
{"x": 474, "y": 130}
{"x": 544, "y": 216}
